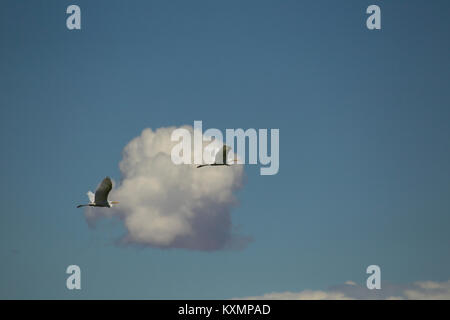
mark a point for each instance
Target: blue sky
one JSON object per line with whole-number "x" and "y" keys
{"x": 364, "y": 140}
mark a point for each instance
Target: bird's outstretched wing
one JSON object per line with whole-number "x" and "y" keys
{"x": 91, "y": 196}
{"x": 221, "y": 156}
{"x": 101, "y": 194}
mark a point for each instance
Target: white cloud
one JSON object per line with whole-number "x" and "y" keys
{"x": 428, "y": 290}
{"x": 172, "y": 206}
{"x": 302, "y": 295}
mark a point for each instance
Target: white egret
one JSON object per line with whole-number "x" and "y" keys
{"x": 100, "y": 198}
{"x": 221, "y": 158}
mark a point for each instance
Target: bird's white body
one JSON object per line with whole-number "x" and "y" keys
{"x": 220, "y": 158}
{"x": 91, "y": 196}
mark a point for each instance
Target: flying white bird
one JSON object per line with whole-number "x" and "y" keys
{"x": 100, "y": 198}
{"x": 221, "y": 158}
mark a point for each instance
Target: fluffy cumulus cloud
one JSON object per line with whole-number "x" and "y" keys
{"x": 173, "y": 206}
{"x": 426, "y": 290}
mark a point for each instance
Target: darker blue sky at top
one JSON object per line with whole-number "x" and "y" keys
{"x": 364, "y": 140}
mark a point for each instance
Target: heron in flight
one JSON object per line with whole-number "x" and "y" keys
{"x": 100, "y": 198}
{"x": 221, "y": 158}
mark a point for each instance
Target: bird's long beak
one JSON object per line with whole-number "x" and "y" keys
{"x": 115, "y": 202}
